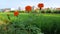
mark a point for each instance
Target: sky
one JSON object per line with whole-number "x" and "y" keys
{"x": 23, "y": 3}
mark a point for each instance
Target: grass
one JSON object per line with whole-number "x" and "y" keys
{"x": 48, "y": 23}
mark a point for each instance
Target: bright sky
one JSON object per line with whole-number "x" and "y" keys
{"x": 23, "y": 3}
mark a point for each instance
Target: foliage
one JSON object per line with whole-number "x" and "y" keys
{"x": 19, "y": 25}
{"x": 12, "y": 11}
{"x": 22, "y": 11}
{"x": 57, "y": 11}
{"x": 31, "y": 23}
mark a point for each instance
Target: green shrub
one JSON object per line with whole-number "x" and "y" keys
{"x": 22, "y": 11}
{"x": 12, "y": 11}
{"x": 56, "y": 11}
{"x": 42, "y": 11}
{"x": 48, "y": 11}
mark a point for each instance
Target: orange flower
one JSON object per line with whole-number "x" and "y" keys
{"x": 40, "y": 5}
{"x": 16, "y": 13}
{"x": 28, "y": 8}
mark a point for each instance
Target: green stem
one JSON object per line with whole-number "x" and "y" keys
{"x": 8, "y": 17}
